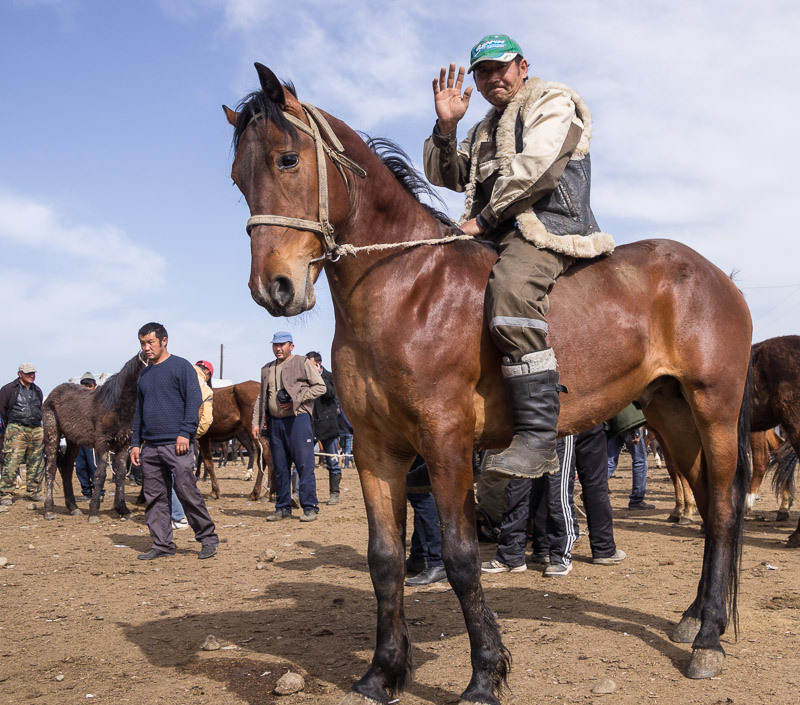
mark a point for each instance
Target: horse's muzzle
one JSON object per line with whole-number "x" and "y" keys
{"x": 278, "y": 297}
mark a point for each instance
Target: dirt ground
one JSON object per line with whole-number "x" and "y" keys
{"x": 82, "y": 619}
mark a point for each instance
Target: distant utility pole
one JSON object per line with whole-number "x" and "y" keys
{"x": 220, "y": 360}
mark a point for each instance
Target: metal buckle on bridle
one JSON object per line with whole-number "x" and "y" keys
{"x": 323, "y": 227}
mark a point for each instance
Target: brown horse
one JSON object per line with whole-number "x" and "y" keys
{"x": 418, "y": 374}
{"x": 233, "y": 413}
{"x": 764, "y": 444}
{"x": 103, "y": 420}
{"x": 776, "y": 400}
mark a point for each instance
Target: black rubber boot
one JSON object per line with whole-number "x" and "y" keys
{"x": 334, "y": 481}
{"x": 534, "y": 413}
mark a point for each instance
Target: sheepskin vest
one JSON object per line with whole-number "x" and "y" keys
{"x": 561, "y": 221}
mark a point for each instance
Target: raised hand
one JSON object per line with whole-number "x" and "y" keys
{"x": 450, "y": 104}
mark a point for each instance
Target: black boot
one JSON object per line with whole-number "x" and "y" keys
{"x": 335, "y": 479}
{"x": 534, "y": 413}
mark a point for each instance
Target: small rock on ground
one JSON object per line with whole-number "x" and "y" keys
{"x": 210, "y": 644}
{"x": 289, "y": 683}
{"x": 604, "y": 687}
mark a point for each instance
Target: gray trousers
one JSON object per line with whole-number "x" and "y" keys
{"x": 162, "y": 468}
{"x": 516, "y": 297}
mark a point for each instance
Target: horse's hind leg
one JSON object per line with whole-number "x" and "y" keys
{"x": 707, "y": 455}
{"x": 450, "y": 467}
{"x": 760, "y": 451}
{"x": 383, "y": 480}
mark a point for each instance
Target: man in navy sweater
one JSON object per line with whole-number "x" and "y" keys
{"x": 164, "y": 427}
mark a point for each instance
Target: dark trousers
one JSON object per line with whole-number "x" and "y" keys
{"x": 163, "y": 468}
{"x": 591, "y": 463}
{"x": 291, "y": 440}
{"x": 426, "y": 541}
{"x": 330, "y": 446}
{"x": 586, "y": 454}
{"x": 84, "y": 470}
{"x": 544, "y": 502}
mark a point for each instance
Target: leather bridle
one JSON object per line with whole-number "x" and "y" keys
{"x": 329, "y": 146}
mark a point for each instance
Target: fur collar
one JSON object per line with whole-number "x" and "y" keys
{"x": 582, "y": 246}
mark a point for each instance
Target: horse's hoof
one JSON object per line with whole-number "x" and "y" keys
{"x": 353, "y": 698}
{"x": 705, "y": 663}
{"x": 686, "y": 630}
{"x": 794, "y": 541}
{"x": 248, "y": 477}
{"x": 94, "y": 519}
{"x": 76, "y": 512}
{"x": 253, "y": 497}
{"x": 684, "y": 521}
{"x": 782, "y": 515}
{"x": 49, "y": 516}
{"x": 673, "y": 518}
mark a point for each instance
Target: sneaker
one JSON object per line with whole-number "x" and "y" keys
{"x": 34, "y": 497}
{"x": 207, "y": 550}
{"x": 182, "y": 524}
{"x": 618, "y": 557}
{"x": 539, "y": 558}
{"x": 556, "y": 569}
{"x": 309, "y": 515}
{"x": 6, "y": 501}
{"x": 279, "y": 514}
{"x": 641, "y": 505}
{"x": 495, "y": 566}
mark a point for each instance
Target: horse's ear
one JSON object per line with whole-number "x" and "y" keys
{"x": 271, "y": 85}
{"x": 232, "y": 115}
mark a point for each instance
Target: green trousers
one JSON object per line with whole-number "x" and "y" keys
{"x": 23, "y": 445}
{"x": 517, "y": 295}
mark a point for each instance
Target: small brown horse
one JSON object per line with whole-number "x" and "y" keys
{"x": 776, "y": 399}
{"x": 764, "y": 445}
{"x": 233, "y": 413}
{"x": 418, "y": 373}
{"x": 103, "y": 420}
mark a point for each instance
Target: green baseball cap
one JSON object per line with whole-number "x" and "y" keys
{"x": 494, "y": 47}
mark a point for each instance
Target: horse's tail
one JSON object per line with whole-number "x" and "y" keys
{"x": 783, "y": 464}
{"x": 741, "y": 485}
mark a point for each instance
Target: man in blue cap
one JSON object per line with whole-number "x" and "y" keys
{"x": 525, "y": 171}
{"x": 289, "y": 386}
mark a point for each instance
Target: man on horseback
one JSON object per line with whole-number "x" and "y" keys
{"x": 525, "y": 171}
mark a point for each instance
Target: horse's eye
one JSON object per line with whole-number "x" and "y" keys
{"x": 287, "y": 161}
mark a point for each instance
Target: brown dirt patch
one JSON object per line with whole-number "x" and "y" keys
{"x": 77, "y": 603}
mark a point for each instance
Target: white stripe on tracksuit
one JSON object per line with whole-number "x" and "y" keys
{"x": 567, "y": 464}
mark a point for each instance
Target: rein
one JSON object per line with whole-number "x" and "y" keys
{"x": 318, "y": 126}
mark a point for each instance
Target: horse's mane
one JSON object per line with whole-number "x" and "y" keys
{"x": 109, "y": 393}
{"x": 259, "y": 103}
{"x": 398, "y": 163}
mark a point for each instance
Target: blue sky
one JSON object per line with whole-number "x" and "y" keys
{"x": 116, "y": 204}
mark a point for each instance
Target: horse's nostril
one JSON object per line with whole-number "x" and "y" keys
{"x": 281, "y": 290}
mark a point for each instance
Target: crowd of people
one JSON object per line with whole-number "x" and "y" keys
{"x": 297, "y": 410}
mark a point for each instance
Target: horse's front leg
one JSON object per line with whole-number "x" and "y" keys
{"x": 118, "y": 467}
{"x": 449, "y": 459}
{"x": 383, "y": 481}
{"x": 66, "y": 470}
{"x": 101, "y": 454}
